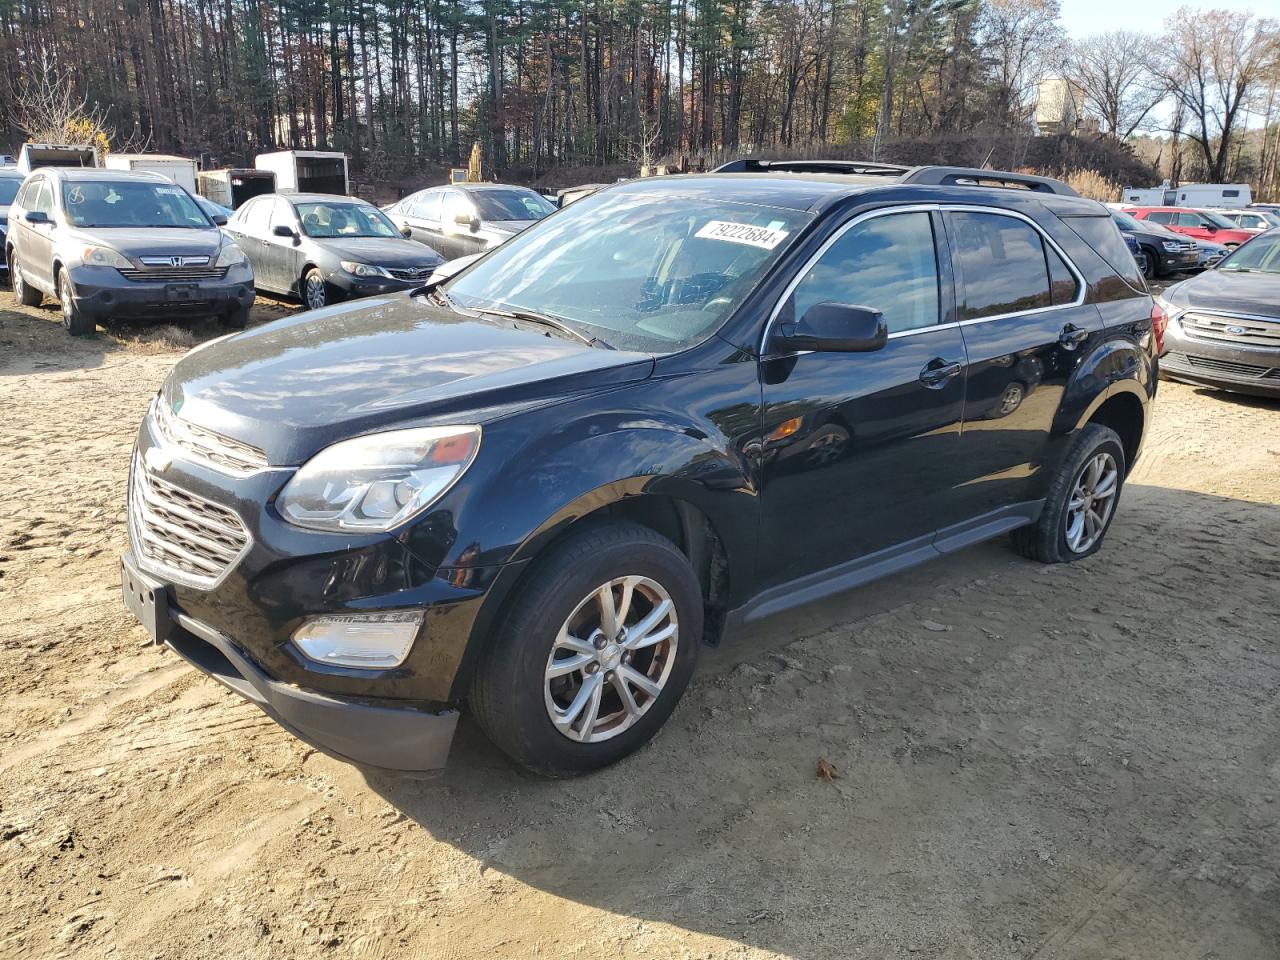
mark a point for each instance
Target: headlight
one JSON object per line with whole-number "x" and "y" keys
{"x": 1170, "y": 311}
{"x": 1173, "y": 246}
{"x": 105, "y": 257}
{"x": 362, "y": 269}
{"x": 230, "y": 256}
{"x": 378, "y": 482}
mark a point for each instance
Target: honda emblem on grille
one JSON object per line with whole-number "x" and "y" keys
{"x": 157, "y": 460}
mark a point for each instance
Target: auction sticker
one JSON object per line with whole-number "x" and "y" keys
{"x": 764, "y": 237}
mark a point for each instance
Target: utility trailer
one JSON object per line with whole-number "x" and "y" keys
{"x": 178, "y": 169}
{"x": 234, "y": 185}
{"x": 307, "y": 171}
{"x": 35, "y": 155}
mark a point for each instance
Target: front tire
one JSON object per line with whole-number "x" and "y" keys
{"x": 236, "y": 319}
{"x": 1150, "y": 265}
{"x": 1081, "y": 501}
{"x": 315, "y": 290}
{"x": 73, "y": 318}
{"x": 26, "y": 294}
{"x": 593, "y": 654}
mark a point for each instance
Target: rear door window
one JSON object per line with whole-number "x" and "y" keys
{"x": 888, "y": 263}
{"x": 1002, "y": 261}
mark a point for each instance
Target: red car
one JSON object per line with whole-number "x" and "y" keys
{"x": 1201, "y": 224}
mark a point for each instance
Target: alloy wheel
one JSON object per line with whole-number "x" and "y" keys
{"x": 68, "y": 304}
{"x": 611, "y": 659}
{"x": 315, "y": 292}
{"x": 1011, "y": 399}
{"x": 16, "y": 281}
{"x": 1092, "y": 500}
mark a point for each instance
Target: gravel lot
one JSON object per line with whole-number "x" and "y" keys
{"x": 1074, "y": 761}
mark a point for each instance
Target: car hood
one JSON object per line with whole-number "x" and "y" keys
{"x": 297, "y": 385}
{"x": 1256, "y": 294}
{"x": 381, "y": 251}
{"x": 153, "y": 241}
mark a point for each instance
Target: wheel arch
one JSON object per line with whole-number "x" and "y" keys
{"x": 1124, "y": 412}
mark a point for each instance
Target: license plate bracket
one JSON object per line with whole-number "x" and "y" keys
{"x": 147, "y": 600}
{"x": 180, "y": 291}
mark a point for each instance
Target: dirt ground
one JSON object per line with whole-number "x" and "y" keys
{"x": 1034, "y": 762}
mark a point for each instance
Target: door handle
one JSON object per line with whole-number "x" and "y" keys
{"x": 938, "y": 371}
{"x": 1072, "y": 336}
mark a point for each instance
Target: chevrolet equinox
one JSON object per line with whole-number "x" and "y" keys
{"x": 536, "y": 487}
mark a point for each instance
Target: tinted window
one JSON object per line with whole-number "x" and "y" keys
{"x": 427, "y": 206}
{"x": 8, "y": 190}
{"x": 1003, "y": 264}
{"x": 511, "y": 205}
{"x": 1100, "y": 234}
{"x": 1160, "y": 217}
{"x": 888, "y": 263}
{"x": 1063, "y": 287}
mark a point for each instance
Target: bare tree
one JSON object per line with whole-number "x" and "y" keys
{"x": 1020, "y": 37}
{"x": 48, "y": 108}
{"x": 1214, "y": 63}
{"x": 1113, "y": 72}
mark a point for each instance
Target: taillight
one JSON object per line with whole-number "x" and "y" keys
{"x": 1159, "y": 320}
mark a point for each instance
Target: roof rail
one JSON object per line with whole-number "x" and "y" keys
{"x": 973, "y": 177}
{"x": 751, "y": 165}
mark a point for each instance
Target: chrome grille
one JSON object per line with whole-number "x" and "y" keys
{"x": 410, "y": 273}
{"x": 220, "y": 451}
{"x": 1211, "y": 365}
{"x": 1225, "y": 328}
{"x": 173, "y": 273}
{"x": 177, "y": 533}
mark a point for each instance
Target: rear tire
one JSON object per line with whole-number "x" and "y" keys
{"x": 1081, "y": 501}
{"x": 27, "y": 295}
{"x": 535, "y": 686}
{"x": 78, "y": 324}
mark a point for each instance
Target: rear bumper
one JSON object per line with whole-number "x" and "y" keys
{"x": 391, "y": 738}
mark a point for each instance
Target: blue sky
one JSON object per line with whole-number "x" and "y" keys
{"x": 1083, "y": 17}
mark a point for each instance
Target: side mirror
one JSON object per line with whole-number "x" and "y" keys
{"x": 463, "y": 219}
{"x": 1211, "y": 228}
{"x": 835, "y": 328}
{"x": 282, "y": 231}
{"x": 37, "y": 216}
{"x": 219, "y": 220}
{"x": 406, "y": 233}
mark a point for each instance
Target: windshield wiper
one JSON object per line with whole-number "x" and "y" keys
{"x": 555, "y": 323}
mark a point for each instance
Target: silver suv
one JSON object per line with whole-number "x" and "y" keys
{"x": 110, "y": 244}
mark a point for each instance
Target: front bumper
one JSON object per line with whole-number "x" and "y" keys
{"x": 1212, "y": 363}
{"x": 388, "y": 736}
{"x": 1177, "y": 262}
{"x": 103, "y": 293}
{"x": 355, "y": 287}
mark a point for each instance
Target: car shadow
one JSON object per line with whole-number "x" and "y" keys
{"x": 1027, "y": 758}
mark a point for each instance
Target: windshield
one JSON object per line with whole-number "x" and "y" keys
{"x": 636, "y": 270}
{"x": 8, "y": 190}
{"x": 1217, "y": 219}
{"x": 511, "y": 205}
{"x": 337, "y": 219}
{"x": 1259, "y": 255}
{"x": 131, "y": 203}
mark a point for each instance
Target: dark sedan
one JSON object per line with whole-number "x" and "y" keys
{"x": 468, "y": 218}
{"x": 1224, "y": 325}
{"x": 322, "y": 248}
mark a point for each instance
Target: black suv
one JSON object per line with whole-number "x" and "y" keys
{"x": 677, "y": 405}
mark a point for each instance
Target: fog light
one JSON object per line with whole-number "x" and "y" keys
{"x": 371, "y": 641}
